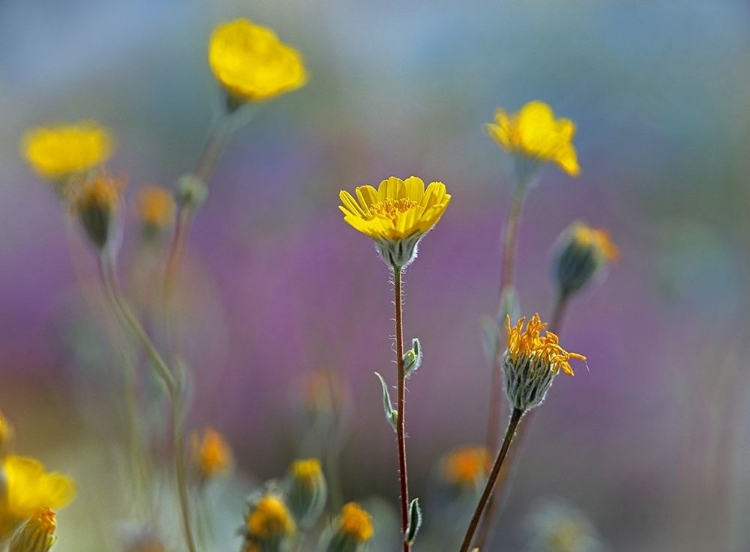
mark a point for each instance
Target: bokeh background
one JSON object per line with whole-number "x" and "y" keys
{"x": 651, "y": 443}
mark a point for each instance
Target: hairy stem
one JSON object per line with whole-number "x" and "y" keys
{"x": 401, "y": 408}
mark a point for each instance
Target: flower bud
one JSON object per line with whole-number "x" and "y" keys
{"x": 190, "y": 192}
{"x": 97, "y": 203}
{"x": 350, "y": 531}
{"x": 581, "y": 253}
{"x": 155, "y": 210}
{"x": 37, "y": 534}
{"x": 212, "y": 455}
{"x": 307, "y": 491}
{"x": 269, "y": 525}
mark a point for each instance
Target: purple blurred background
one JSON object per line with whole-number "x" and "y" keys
{"x": 650, "y": 442}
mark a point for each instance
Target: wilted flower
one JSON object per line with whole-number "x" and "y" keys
{"x": 269, "y": 526}
{"x": 581, "y": 253}
{"x": 350, "y": 531}
{"x": 534, "y": 134}
{"x": 37, "y": 534}
{"x": 97, "y": 203}
{"x": 531, "y": 361}
{"x": 465, "y": 467}
{"x": 211, "y": 454}
{"x": 60, "y": 151}
{"x": 307, "y": 491}
{"x": 156, "y": 209}
{"x": 251, "y": 63}
{"x": 396, "y": 215}
{"x": 25, "y": 488}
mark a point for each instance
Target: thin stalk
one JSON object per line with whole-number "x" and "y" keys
{"x": 558, "y": 314}
{"x": 130, "y": 322}
{"x": 515, "y": 418}
{"x": 401, "y": 408}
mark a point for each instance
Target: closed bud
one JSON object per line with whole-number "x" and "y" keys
{"x": 413, "y": 358}
{"x": 349, "y": 532}
{"x": 581, "y": 253}
{"x": 37, "y": 534}
{"x": 97, "y": 203}
{"x": 307, "y": 491}
{"x": 269, "y": 525}
{"x": 190, "y": 191}
{"x": 211, "y": 454}
{"x": 155, "y": 211}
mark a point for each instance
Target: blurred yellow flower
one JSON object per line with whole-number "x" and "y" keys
{"x": 251, "y": 63}
{"x": 155, "y": 208}
{"x": 396, "y": 215}
{"x": 56, "y": 152}
{"x": 596, "y": 239}
{"x": 96, "y": 202}
{"x": 465, "y": 466}
{"x": 355, "y": 523}
{"x": 37, "y": 534}
{"x": 270, "y": 519}
{"x": 211, "y": 454}
{"x": 534, "y": 133}
{"x": 27, "y": 489}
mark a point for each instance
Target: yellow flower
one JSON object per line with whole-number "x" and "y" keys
{"x": 251, "y": 63}
{"x": 211, "y": 454}
{"x": 270, "y": 520}
{"x": 60, "y": 151}
{"x": 355, "y": 523}
{"x": 396, "y": 215}
{"x": 155, "y": 208}
{"x": 27, "y": 489}
{"x": 531, "y": 361}
{"x": 37, "y": 534}
{"x": 534, "y": 133}
{"x": 465, "y": 466}
{"x": 96, "y": 202}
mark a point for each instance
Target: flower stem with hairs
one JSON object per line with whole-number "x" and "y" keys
{"x": 401, "y": 408}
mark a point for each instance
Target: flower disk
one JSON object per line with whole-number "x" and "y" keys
{"x": 398, "y": 209}
{"x": 534, "y": 133}
{"x": 523, "y": 345}
{"x": 60, "y": 151}
{"x": 251, "y": 63}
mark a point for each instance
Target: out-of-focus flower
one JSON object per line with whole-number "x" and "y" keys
{"x": 535, "y": 134}
{"x": 26, "y": 488}
{"x": 557, "y": 526}
{"x": 37, "y": 534}
{"x": 60, "y": 151}
{"x": 350, "y": 531}
{"x": 269, "y": 526}
{"x": 96, "y": 203}
{"x": 531, "y": 361}
{"x": 465, "y": 467}
{"x": 156, "y": 209}
{"x": 307, "y": 491}
{"x": 6, "y": 435}
{"x": 251, "y": 63}
{"x": 581, "y": 253}
{"x": 212, "y": 455}
{"x": 396, "y": 215}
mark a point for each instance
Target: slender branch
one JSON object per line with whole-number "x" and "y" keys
{"x": 130, "y": 322}
{"x": 401, "y": 408}
{"x": 515, "y": 418}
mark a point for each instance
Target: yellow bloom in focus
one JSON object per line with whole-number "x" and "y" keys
{"x": 211, "y": 453}
{"x": 37, "y": 534}
{"x": 270, "y": 519}
{"x": 155, "y": 208}
{"x": 396, "y": 215}
{"x": 27, "y": 489}
{"x": 355, "y": 523}
{"x": 531, "y": 361}
{"x": 59, "y": 151}
{"x": 465, "y": 466}
{"x": 251, "y": 63}
{"x": 534, "y": 133}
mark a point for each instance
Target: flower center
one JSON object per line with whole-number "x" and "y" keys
{"x": 391, "y": 208}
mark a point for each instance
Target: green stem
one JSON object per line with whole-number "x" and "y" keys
{"x": 130, "y": 322}
{"x": 401, "y": 408}
{"x": 515, "y": 418}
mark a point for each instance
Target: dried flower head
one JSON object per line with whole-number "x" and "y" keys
{"x": 535, "y": 134}
{"x": 269, "y": 525}
{"x": 251, "y": 63}
{"x": 212, "y": 454}
{"x": 581, "y": 253}
{"x": 396, "y": 215}
{"x": 57, "y": 152}
{"x": 531, "y": 361}
{"x": 156, "y": 209}
{"x": 37, "y": 534}
{"x": 351, "y": 530}
{"x": 465, "y": 467}
{"x": 27, "y": 488}
{"x": 97, "y": 202}
{"x": 307, "y": 490}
